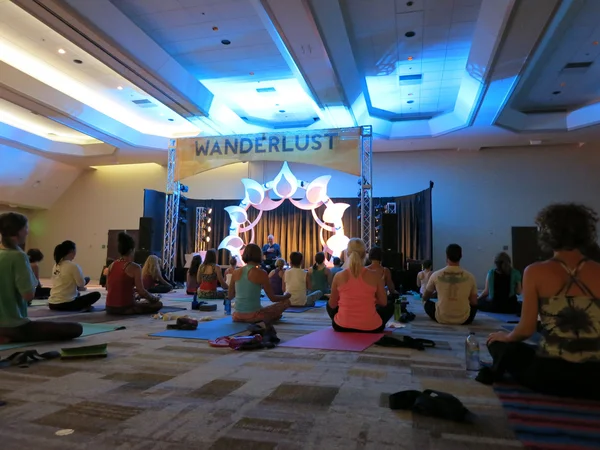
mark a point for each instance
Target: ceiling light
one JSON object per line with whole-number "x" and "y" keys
{"x": 61, "y": 51}
{"x": 225, "y": 42}
{"x": 409, "y": 3}
{"x": 410, "y": 101}
{"x": 410, "y": 58}
{"x": 215, "y": 28}
{"x": 120, "y": 88}
{"x": 171, "y": 120}
{"x": 282, "y": 111}
{"x": 409, "y": 34}
{"x": 78, "y": 61}
{"x": 251, "y": 73}
{"x": 556, "y": 92}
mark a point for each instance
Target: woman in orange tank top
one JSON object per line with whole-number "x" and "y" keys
{"x": 358, "y": 301}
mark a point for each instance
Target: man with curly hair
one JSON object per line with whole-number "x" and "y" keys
{"x": 565, "y": 292}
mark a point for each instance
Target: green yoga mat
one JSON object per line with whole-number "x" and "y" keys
{"x": 89, "y": 329}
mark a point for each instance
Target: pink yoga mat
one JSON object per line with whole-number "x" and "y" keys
{"x": 328, "y": 339}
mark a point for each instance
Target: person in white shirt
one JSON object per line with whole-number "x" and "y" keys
{"x": 424, "y": 275}
{"x": 456, "y": 291}
{"x": 68, "y": 281}
{"x": 296, "y": 282}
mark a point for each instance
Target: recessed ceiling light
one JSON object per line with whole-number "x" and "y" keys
{"x": 120, "y": 88}
{"x": 282, "y": 111}
{"x": 61, "y": 51}
{"x": 225, "y": 42}
{"x": 409, "y": 3}
{"x": 556, "y": 92}
{"x": 215, "y": 28}
{"x": 409, "y": 34}
{"x": 171, "y": 120}
{"x": 410, "y": 94}
{"x": 410, "y": 101}
{"x": 410, "y": 58}
{"x": 78, "y": 61}
{"x": 252, "y": 73}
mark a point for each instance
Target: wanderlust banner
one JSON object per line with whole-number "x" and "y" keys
{"x": 337, "y": 149}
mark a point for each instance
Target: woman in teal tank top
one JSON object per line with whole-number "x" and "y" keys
{"x": 245, "y": 289}
{"x": 319, "y": 275}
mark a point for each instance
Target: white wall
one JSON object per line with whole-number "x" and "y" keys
{"x": 477, "y": 198}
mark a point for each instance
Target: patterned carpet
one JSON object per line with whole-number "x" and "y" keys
{"x": 155, "y": 393}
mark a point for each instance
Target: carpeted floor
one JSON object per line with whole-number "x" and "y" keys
{"x": 154, "y": 394}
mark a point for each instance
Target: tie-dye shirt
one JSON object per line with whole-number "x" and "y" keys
{"x": 454, "y": 286}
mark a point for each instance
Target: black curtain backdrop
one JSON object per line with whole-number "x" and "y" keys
{"x": 295, "y": 229}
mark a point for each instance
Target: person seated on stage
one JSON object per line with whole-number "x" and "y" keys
{"x": 245, "y": 290}
{"x": 456, "y": 290}
{"x": 424, "y": 275}
{"x": 68, "y": 281}
{"x": 229, "y": 272}
{"x": 36, "y": 257}
{"x": 209, "y": 273}
{"x": 297, "y": 283}
{"x": 337, "y": 267}
{"x": 319, "y": 275}
{"x": 104, "y": 273}
{"x": 375, "y": 257}
{"x": 191, "y": 285}
{"x": 17, "y": 287}
{"x": 271, "y": 252}
{"x": 358, "y": 301}
{"x": 565, "y": 292}
{"x": 124, "y": 278}
{"x": 502, "y": 285}
{"x": 276, "y": 277}
{"x": 152, "y": 277}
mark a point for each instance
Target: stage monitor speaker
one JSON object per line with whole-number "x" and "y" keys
{"x": 146, "y": 233}
{"x": 389, "y": 233}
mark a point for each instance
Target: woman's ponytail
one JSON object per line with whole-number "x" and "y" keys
{"x": 62, "y": 250}
{"x": 356, "y": 256}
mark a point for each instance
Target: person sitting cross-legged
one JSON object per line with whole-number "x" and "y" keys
{"x": 124, "y": 278}
{"x": 17, "y": 287}
{"x": 456, "y": 292}
{"x": 358, "y": 301}
{"x": 297, "y": 282}
{"x": 152, "y": 277}
{"x": 245, "y": 289}
{"x": 564, "y": 292}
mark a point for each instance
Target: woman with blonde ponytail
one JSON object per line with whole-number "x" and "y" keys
{"x": 358, "y": 301}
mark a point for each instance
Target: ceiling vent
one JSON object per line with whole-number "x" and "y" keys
{"x": 144, "y": 103}
{"x": 577, "y": 67}
{"x": 265, "y": 90}
{"x": 406, "y": 80}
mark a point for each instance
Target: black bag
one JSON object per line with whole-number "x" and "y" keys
{"x": 430, "y": 403}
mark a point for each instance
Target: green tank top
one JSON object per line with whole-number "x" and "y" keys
{"x": 318, "y": 281}
{"x": 247, "y": 293}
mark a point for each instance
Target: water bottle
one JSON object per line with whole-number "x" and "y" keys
{"x": 472, "y": 352}
{"x": 195, "y": 302}
{"x": 227, "y": 304}
{"x": 397, "y": 310}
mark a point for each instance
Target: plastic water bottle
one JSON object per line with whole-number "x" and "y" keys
{"x": 472, "y": 352}
{"x": 227, "y": 304}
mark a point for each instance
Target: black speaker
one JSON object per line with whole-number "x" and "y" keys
{"x": 140, "y": 256}
{"x": 389, "y": 232}
{"x": 146, "y": 233}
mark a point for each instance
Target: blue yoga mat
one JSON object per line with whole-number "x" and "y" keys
{"x": 207, "y": 330}
{"x": 502, "y": 317}
{"x": 89, "y": 329}
{"x": 301, "y": 309}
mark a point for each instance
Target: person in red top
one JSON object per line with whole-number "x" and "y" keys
{"x": 358, "y": 301}
{"x": 123, "y": 279}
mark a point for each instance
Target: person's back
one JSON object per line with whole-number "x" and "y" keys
{"x": 66, "y": 276}
{"x": 357, "y": 300}
{"x": 247, "y": 293}
{"x": 295, "y": 284}
{"x": 454, "y": 286}
{"x": 569, "y": 309}
{"x": 276, "y": 280}
{"x": 16, "y": 277}
{"x": 120, "y": 286}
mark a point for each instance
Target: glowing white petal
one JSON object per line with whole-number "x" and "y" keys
{"x": 254, "y": 191}
{"x": 285, "y": 183}
{"x": 338, "y": 243}
{"x": 232, "y": 243}
{"x": 333, "y": 213}
{"x": 316, "y": 191}
{"x": 237, "y": 215}
{"x": 304, "y": 204}
{"x": 268, "y": 204}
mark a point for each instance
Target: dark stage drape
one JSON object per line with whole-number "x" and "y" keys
{"x": 415, "y": 224}
{"x": 295, "y": 229}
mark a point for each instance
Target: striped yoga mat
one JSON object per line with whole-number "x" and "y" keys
{"x": 553, "y": 423}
